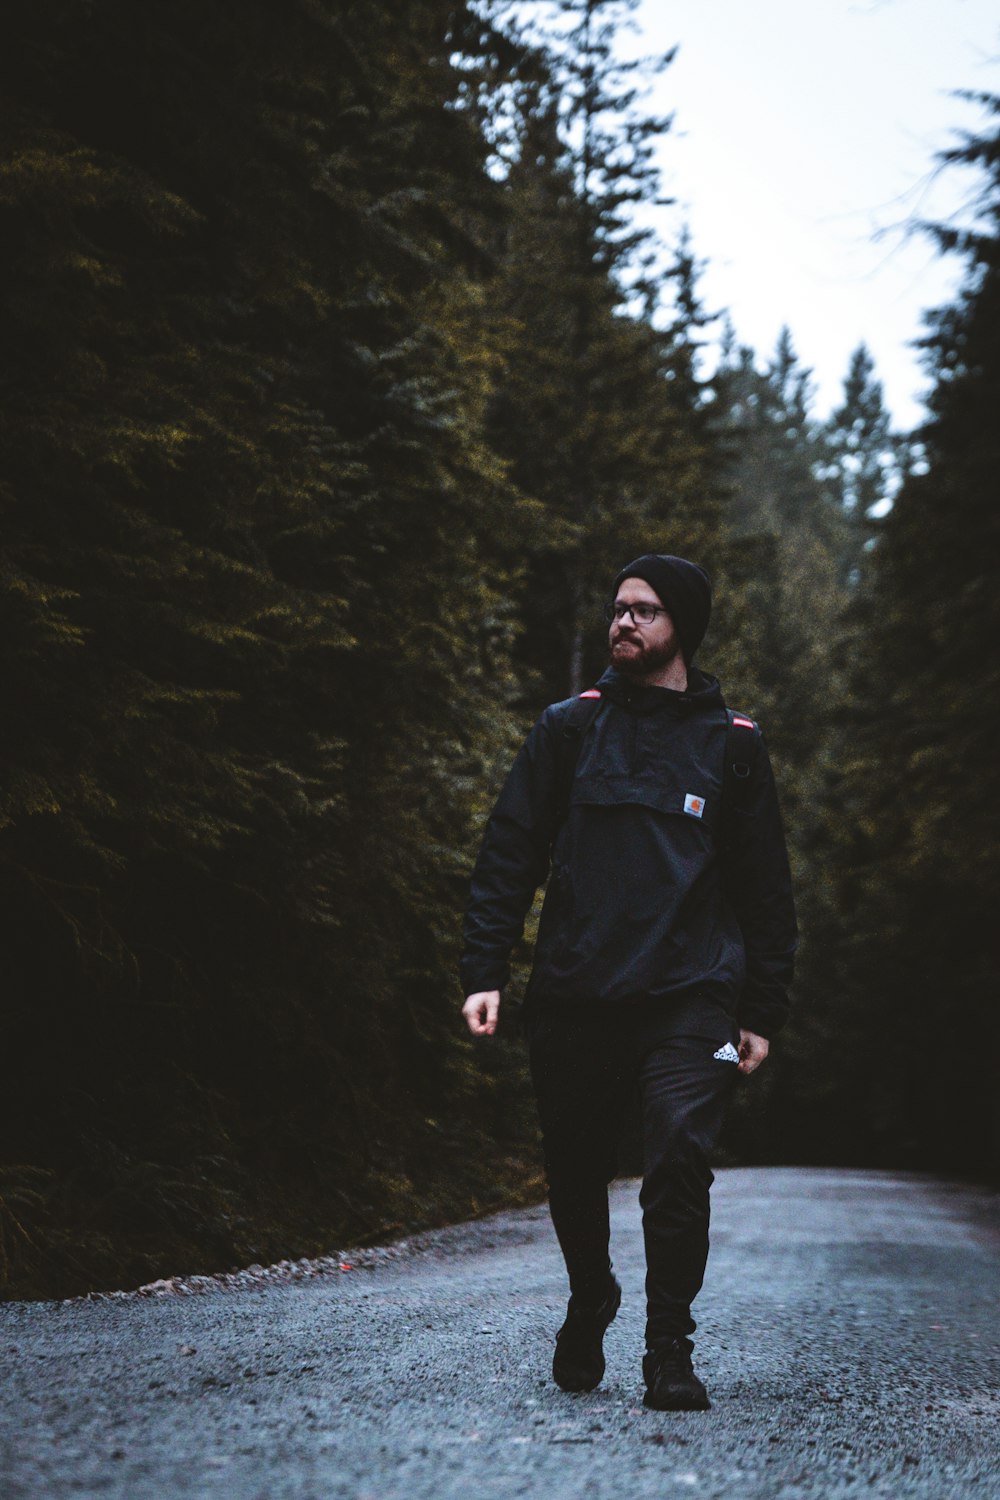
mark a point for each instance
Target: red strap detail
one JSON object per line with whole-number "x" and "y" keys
{"x": 591, "y": 693}
{"x": 745, "y": 723}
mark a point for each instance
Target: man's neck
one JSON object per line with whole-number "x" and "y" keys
{"x": 674, "y": 676}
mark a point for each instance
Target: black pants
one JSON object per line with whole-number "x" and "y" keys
{"x": 586, "y": 1063}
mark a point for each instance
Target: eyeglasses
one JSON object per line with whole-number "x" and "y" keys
{"x": 642, "y": 614}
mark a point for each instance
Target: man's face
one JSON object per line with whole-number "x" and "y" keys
{"x": 639, "y": 650}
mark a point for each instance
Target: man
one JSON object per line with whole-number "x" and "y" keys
{"x": 663, "y": 957}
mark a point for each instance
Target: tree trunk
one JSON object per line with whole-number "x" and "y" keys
{"x": 576, "y": 641}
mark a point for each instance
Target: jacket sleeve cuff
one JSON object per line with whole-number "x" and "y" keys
{"x": 475, "y": 981}
{"x": 762, "y": 1018}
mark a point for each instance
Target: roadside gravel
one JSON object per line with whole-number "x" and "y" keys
{"x": 848, "y": 1337}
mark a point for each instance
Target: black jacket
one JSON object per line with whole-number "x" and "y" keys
{"x": 648, "y": 897}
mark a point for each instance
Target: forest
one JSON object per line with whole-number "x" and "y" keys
{"x": 339, "y": 379}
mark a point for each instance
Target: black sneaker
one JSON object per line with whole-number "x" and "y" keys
{"x": 671, "y": 1384}
{"x": 578, "y": 1363}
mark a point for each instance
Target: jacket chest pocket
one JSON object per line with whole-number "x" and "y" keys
{"x": 684, "y": 778}
{"x": 688, "y": 800}
{"x": 675, "y": 768}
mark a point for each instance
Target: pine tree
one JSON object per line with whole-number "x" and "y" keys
{"x": 253, "y": 623}
{"x": 866, "y": 459}
{"x": 901, "y": 965}
{"x": 786, "y": 537}
{"x": 923, "y": 878}
{"x": 598, "y": 409}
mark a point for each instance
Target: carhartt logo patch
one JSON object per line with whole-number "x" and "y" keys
{"x": 694, "y": 805}
{"x": 728, "y": 1053}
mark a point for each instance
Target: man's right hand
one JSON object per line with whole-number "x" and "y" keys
{"x": 481, "y": 1011}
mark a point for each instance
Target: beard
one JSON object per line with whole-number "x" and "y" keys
{"x": 633, "y": 657}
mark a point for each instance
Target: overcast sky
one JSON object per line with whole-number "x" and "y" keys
{"x": 801, "y": 129}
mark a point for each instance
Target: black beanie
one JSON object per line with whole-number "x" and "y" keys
{"x": 685, "y": 590}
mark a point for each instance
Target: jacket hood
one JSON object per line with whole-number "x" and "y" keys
{"x": 702, "y": 694}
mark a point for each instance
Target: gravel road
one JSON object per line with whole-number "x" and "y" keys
{"x": 848, "y": 1335}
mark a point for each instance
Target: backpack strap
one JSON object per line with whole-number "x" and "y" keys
{"x": 578, "y": 718}
{"x": 743, "y": 739}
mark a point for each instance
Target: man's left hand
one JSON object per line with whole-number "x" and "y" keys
{"x": 753, "y": 1050}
